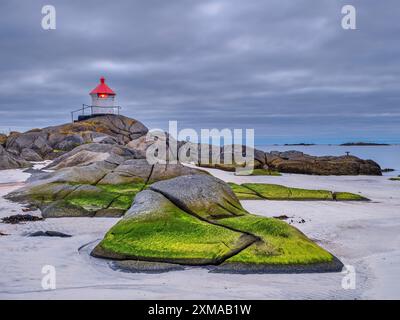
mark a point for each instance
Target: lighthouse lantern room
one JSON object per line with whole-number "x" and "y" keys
{"x": 103, "y": 103}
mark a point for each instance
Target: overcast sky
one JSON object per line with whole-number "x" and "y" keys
{"x": 285, "y": 68}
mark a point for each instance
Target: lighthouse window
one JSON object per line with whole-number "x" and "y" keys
{"x": 103, "y": 95}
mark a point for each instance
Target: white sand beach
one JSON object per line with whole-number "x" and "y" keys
{"x": 362, "y": 234}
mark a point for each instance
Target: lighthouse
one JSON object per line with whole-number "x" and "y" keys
{"x": 103, "y": 103}
{"x": 102, "y": 98}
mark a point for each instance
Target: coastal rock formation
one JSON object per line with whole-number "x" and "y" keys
{"x": 197, "y": 220}
{"x": 94, "y": 152}
{"x": 202, "y": 195}
{"x": 49, "y": 142}
{"x": 298, "y": 162}
{"x": 227, "y": 158}
{"x": 93, "y": 185}
{"x": 91, "y": 140}
{"x": 30, "y": 155}
{"x": 10, "y": 161}
{"x": 163, "y": 232}
{"x": 286, "y": 162}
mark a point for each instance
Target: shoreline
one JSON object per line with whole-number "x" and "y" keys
{"x": 351, "y": 231}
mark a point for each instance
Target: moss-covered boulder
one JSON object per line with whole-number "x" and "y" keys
{"x": 155, "y": 229}
{"x": 102, "y": 188}
{"x": 259, "y": 172}
{"x": 262, "y": 191}
{"x": 278, "y": 192}
{"x": 279, "y": 242}
{"x": 202, "y": 195}
{"x": 348, "y": 196}
{"x": 198, "y": 220}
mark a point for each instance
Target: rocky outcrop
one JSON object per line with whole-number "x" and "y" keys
{"x": 140, "y": 171}
{"x": 30, "y": 155}
{"x": 197, "y": 220}
{"x": 90, "y": 183}
{"x": 94, "y": 152}
{"x": 10, "y": 161}
{"x": 91, "y": 140}
{"x": 298, "y": 162}
{"x": 286, "y": 162}
{"x": 51, "y": 142}
{"x": 202, "y": 195}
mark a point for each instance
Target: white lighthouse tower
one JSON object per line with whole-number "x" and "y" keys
{"x": 103, "y": 103}
{"x": 103, "y": 98}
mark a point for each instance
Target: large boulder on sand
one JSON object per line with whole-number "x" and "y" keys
{"x": 197, "y": 220}
{"x": 202, "y": 195}
{"x": 139, "y": 170}
{"x": 92, "y": 186}
{"x": 161, "y": 231}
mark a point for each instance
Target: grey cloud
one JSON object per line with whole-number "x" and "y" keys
{"x": 285, "y": 68}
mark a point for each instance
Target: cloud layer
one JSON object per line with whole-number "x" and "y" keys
{"x": 285, "y": 68}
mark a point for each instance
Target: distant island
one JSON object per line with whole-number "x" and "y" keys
{"x": 299, "y": 144}
{"x": 364, "y": 144}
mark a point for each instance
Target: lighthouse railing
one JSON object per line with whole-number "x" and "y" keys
{"x": 89, "y": 110}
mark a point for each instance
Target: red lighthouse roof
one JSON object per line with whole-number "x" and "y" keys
{"x": 102, "y": 88}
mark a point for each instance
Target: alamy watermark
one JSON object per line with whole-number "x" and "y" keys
{"x": 209, "y": 147}
{"x": 49, "y": 18}
{"x": 49, "y": 277}
{"x": 349, "y": 278}
{"x": 349, "y": 20}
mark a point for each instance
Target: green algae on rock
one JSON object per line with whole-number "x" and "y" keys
{"x": 260, "y": 172}
{"x": 244, "y": 193}
{"x": 155, "y": 229}
{"x": 279, "y": 242}
{"x": 172, "y": 222}
{"x": 262, "y": 191}
{"x": 101, "y": 188}
{"x": 278, "y": 192}
{"x": 347, "y": 196}
{"x": 202, "y": 195}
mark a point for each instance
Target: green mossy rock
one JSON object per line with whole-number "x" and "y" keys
{"x": 279, "y": 243}
{"x": 201, "y": 195}
{"x": 154, "y": 229}
{"x": 347, "y": 196}
{"x": 260, "y": 191}
{"x": 73, "y": 200}
{"x": 188, "y": 220}
{"x": 244, "y": 193}
{"x": 260, "y": 172}
{"x": 278, "y": 192}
